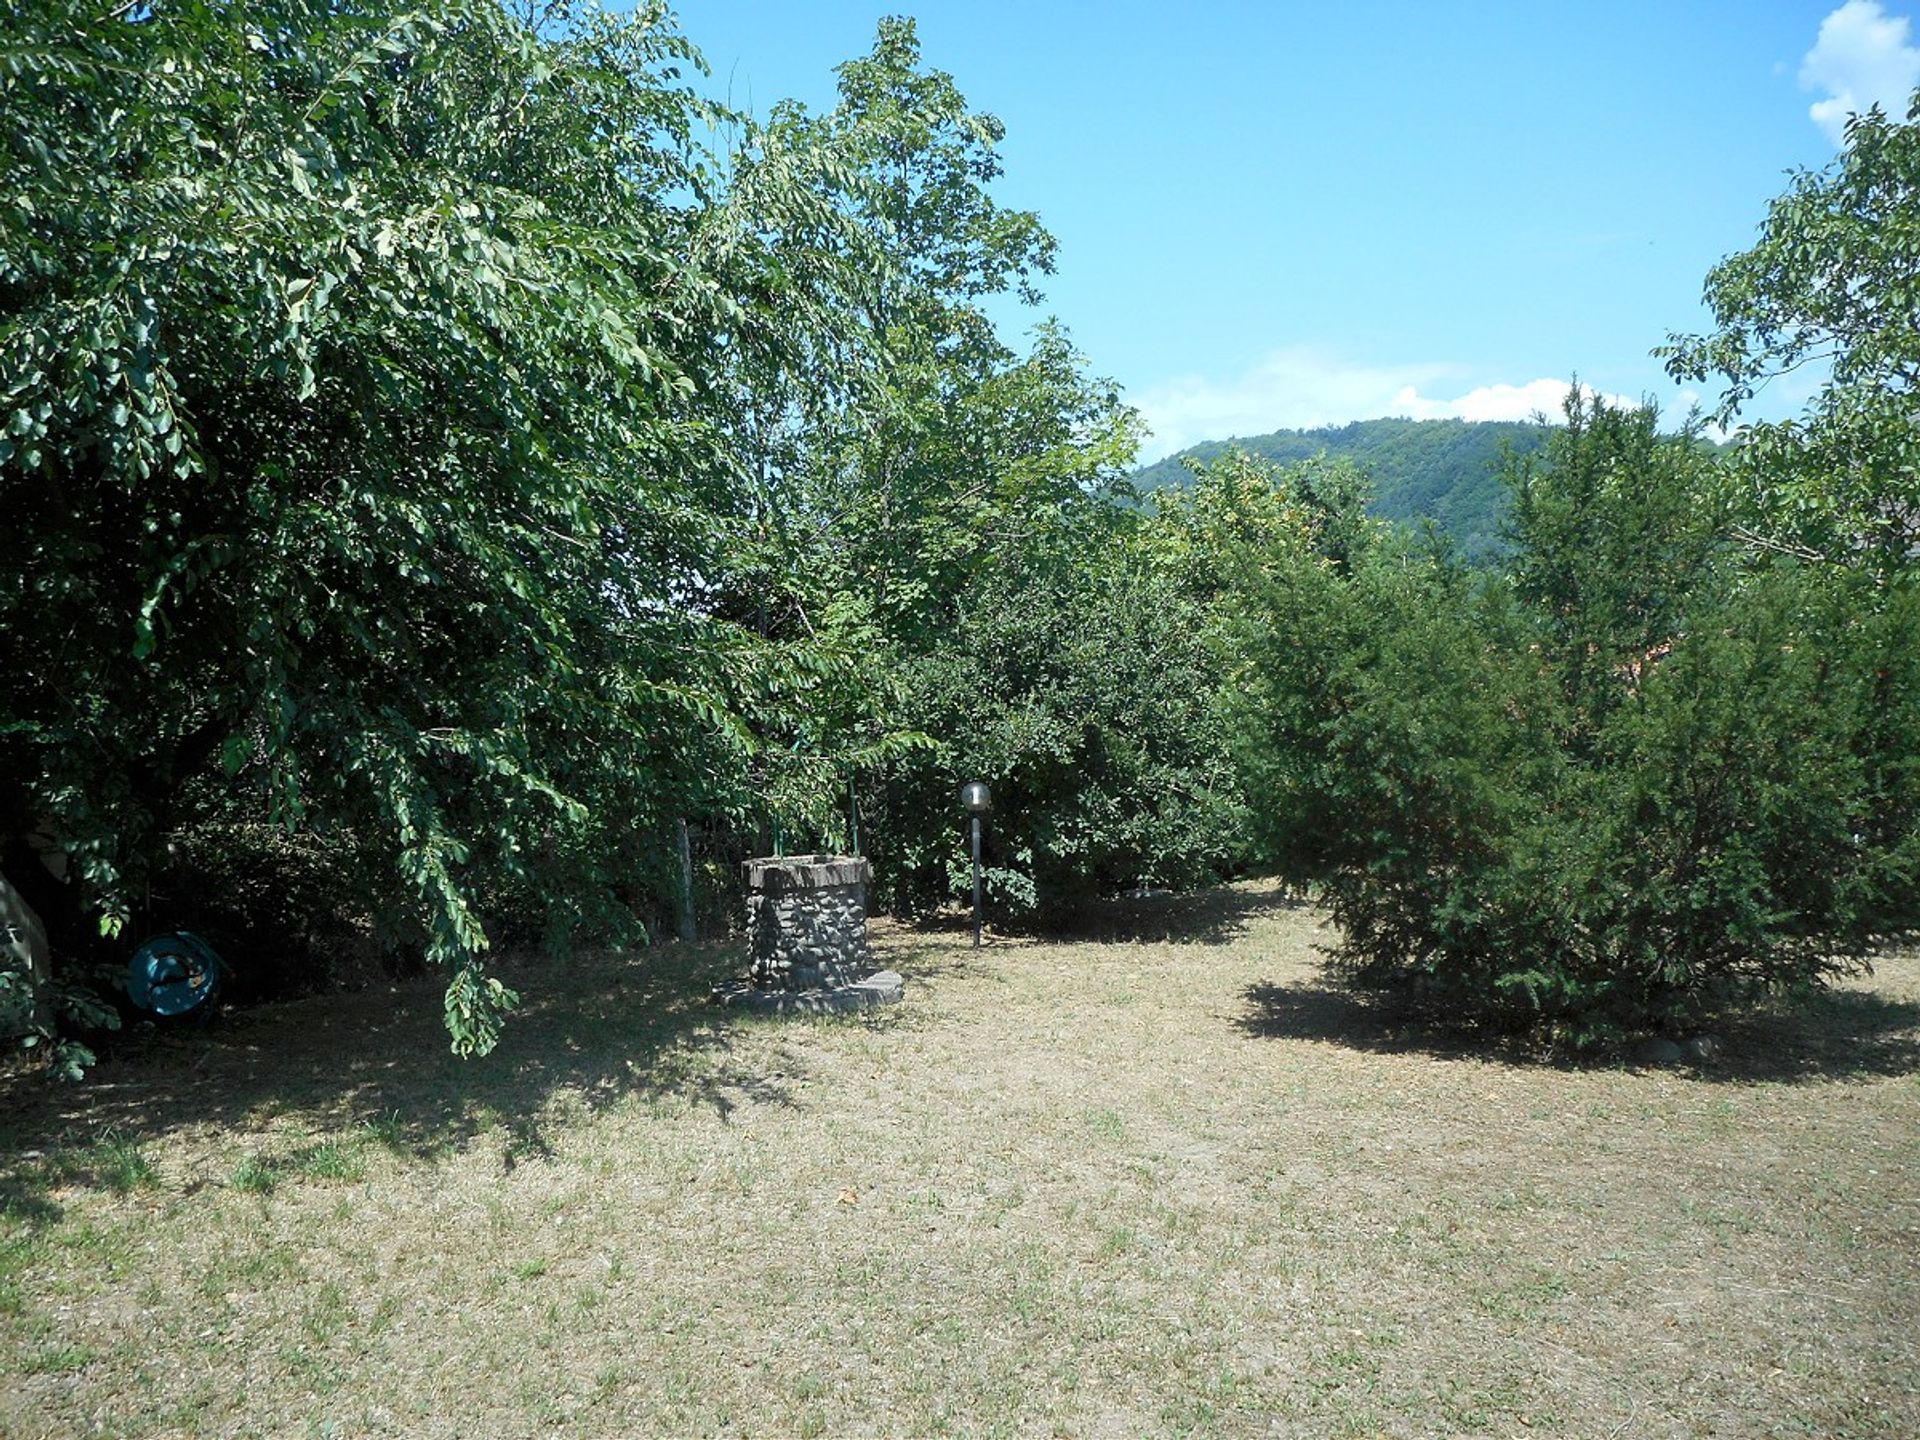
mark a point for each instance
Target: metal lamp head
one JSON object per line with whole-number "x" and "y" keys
{"x": 976, "y": 797}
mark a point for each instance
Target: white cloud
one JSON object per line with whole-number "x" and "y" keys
{"x": 1499, "y": 402}
{"x": 1303, "y": 387}
{"x": 1863, "y": 57}
{"x": 1293, "y": 388}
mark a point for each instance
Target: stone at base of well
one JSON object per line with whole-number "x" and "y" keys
{"x": 882, "y": 988}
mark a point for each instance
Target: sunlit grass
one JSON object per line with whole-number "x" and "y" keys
{"x": 1164, "y": 1185}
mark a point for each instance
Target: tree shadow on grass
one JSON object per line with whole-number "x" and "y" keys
{"x": 375, "y": 1065}
{"x": 1327, "y": 1011}
{"x": 1842, "y": 1034}
{"x": 1218, "y": 915}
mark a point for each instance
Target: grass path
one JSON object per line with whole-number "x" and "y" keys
{"x": 1161, "y": 1182}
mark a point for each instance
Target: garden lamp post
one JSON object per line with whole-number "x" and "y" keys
{"x": 978, "y": 800}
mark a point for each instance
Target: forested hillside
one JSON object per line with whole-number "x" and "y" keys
{"x": 1447, "y": 471}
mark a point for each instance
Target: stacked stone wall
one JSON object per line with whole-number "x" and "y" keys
{"x": 807, "y": 922}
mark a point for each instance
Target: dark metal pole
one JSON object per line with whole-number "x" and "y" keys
{"x": 976, "y": 882}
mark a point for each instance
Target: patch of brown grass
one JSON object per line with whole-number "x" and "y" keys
{"x": 1158, "y": 1181}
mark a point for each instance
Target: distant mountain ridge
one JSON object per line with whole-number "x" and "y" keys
{"x": 1446, "y": 471}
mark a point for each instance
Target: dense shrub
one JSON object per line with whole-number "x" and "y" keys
{"x": 1639, "y": 775}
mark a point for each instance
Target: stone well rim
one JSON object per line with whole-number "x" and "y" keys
{"x": 824, "y": 871}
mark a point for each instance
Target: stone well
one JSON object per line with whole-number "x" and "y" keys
{"x": 807, "y": 936}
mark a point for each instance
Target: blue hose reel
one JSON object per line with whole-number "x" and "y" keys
{"x": 175, "y": 974}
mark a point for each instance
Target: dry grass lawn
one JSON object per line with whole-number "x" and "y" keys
{"x": 1159, "y": 1182}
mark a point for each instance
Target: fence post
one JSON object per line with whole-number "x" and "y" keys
{"x": 686, "y": 884}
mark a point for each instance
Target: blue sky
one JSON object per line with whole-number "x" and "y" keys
{"x": 1289, "y": 214}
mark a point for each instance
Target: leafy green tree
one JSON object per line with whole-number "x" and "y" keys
{"x": 369, "y": 383}
{"x": 946, "y": 527}
{"x": 1830, "y": 288}
{"x": 1830, "y": 285}
{"x": 856, "y": 513}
